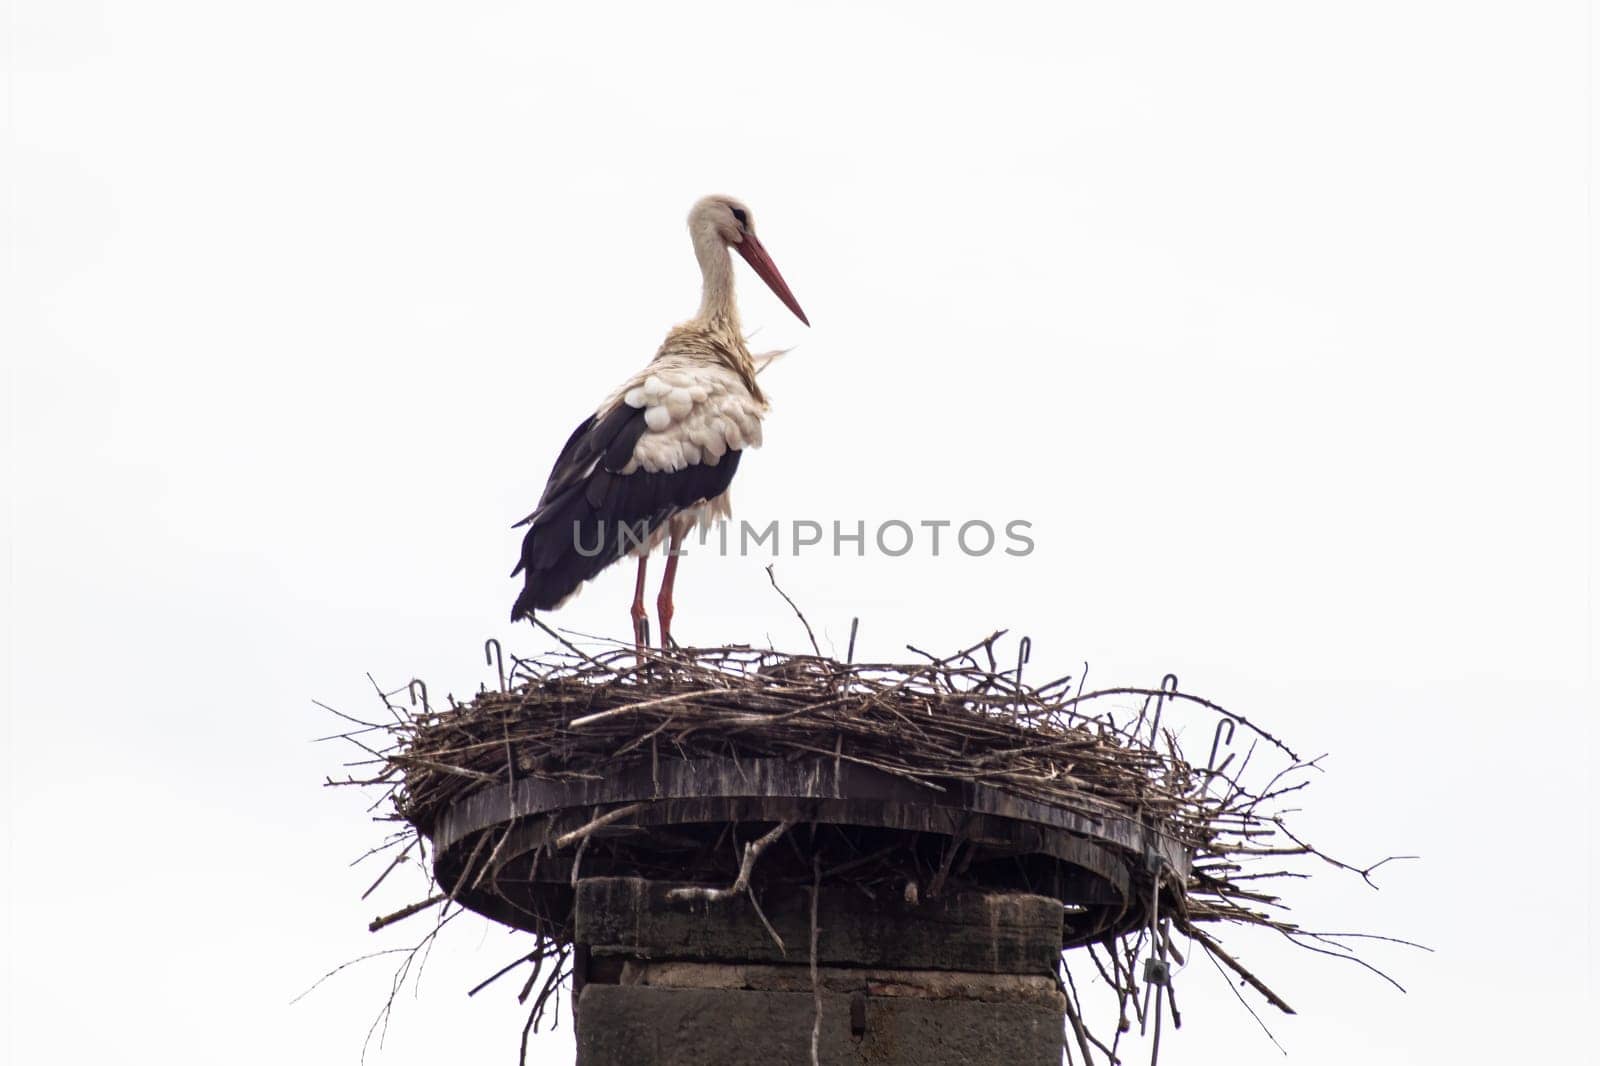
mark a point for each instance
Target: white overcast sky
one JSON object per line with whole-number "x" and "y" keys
{"x": 1270, "y": 317}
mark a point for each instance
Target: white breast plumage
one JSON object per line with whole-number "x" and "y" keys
{"x": 694, "y": 413}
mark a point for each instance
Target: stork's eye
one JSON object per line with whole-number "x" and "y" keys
{"x": 739, "y": 213}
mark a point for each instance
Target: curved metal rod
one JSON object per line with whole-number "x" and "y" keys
{"x": 418, "y": 684}
{"x": 1169, "y": 687}
{"x": 492, "y": 657}
{"x": 1216, "y": 740}
{"x": 1024, "y": 651}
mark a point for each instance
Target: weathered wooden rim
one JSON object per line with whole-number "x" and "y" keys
{"x": 817, "y": 779}
{"x": 1097, "y": 844}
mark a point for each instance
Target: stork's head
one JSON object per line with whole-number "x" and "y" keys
{"x": 729, "y": 222}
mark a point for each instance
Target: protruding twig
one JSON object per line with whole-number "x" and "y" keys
{"x": 812, "y": 637}
{"x": 816, "y": 982}
{"x": 752, "y": 851}
{"x": 387, "y": 870}
{"x": 1216, "y": 950}
{"x": 582, "y": 832}
{"x": 404, "y": 912}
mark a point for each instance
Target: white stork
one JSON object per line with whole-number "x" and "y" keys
{"x": 657, "y": 456}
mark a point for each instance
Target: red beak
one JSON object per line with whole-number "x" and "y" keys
{"x": 763, "y": 265}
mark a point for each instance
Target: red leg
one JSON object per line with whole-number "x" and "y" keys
{"x": 641, "y": 619}
{"x": 664, "y": 601}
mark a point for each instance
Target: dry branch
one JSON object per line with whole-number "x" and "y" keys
{"x": 568, "y": 839}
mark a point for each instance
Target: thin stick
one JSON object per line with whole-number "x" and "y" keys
{"x": 566, "y": 839}
{"x": 1246, "y": 1003}
{"x": 565, "y": 643}
{"x": 773, "y": 933}
{"x": 403, "y": 913}
{"x": 1236, "y": 966}
{"x": 741, "y": 883}
{"x": 812, "y": 637}
{"x": 1076, "y": 1019}
{"x": 577, "y": 861}
{"x": 816, "y": 981}
{"x": 1207, "y": 704}
{"x": 634, "y": 708}
{"x": 502, "y": 971}
{"x": 390, "y": 868}
{"x": 344, "y": 966}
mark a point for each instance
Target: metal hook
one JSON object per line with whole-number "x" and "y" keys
{"x": 415, "y": 685}
{"x": 850, "y": 656}
{"x": 1216, "y": 740}
{"x": 1169, "y": 687}
{"x": 1024, "y": 650}
{"x": 492, "y": 657}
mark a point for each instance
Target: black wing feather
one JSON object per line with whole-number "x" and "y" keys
{"x": 610, "y": 437}
{"x": 591, "y": 514}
